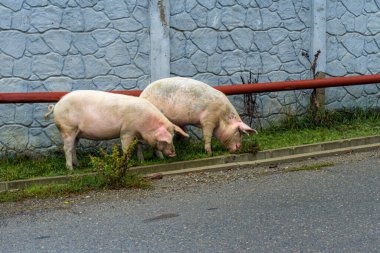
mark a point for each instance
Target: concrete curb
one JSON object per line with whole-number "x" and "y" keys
{"x": 23, "y": 183}
{"x": 275, "y": 160}
{"x": 227, "y": 162}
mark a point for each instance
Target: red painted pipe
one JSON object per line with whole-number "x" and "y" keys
{"x": 298, "y": 85}
{"x": 44, "y": 97}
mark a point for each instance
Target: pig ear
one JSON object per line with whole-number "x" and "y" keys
{"x": 244, "y": 128}
{"x": 162, "y": 134}
{"x": 179, "y": 130}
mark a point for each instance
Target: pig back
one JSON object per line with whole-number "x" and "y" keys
{"x": 185, "y": 101}
{"x": 101, "y": 115}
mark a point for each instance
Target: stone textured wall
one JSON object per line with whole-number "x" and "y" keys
{"x": 353, "y": 42}
{"x": 219, "y": 42}
{"x": 64, "y": 45}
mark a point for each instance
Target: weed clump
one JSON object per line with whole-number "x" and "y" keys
{"x": 248, "y": 145}
{"x": 112, "y": 173}
{"x": 113, "y": 169}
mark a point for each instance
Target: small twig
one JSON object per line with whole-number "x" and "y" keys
{"x": 249, "y": 100}
{"x": 313, "y": 66}
{"x": 306, "y": 55}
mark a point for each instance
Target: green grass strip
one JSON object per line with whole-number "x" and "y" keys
{"x": 291, "y": 132}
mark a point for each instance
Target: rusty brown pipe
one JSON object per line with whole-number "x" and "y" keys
{"x": 45, "y": 97}
{"x": 299, "y": 84}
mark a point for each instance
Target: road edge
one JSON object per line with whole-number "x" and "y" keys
{"x": 227, "y": 162}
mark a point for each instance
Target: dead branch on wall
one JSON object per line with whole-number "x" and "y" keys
{"x": 317, "y": 98}
{"x": 250, "y": 107}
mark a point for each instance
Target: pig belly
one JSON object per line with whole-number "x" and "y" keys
{"x": 183, "y": 118}
{"x": 99, "y": 129}
{"x": 189, "y": 114}
{"x": 94, "y": 133}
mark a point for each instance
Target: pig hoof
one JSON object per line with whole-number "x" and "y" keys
{"x": 159, "y": 154}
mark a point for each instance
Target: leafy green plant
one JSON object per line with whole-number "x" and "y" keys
{"x": 113, "y": 168}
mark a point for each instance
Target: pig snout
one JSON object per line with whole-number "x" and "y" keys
{"x": 168, "y": 150}
{"x": 234, "y": 147}
{"x": 170, "y": 153}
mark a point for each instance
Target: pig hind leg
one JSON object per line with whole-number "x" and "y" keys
{"x": 69, "y": 141}
{"x": 74, "y": 153}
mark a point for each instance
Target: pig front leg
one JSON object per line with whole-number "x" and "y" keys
{"x": 126, "y": 141}
{"x": 158, "y": 154}
{"x": 139, "y": 151}
{"x": 207, "y": 135}
{"x": 140, "y": 155}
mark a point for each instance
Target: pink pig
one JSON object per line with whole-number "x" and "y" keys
{"x": 185, "y": 101}
{"x": 99, "y": 115}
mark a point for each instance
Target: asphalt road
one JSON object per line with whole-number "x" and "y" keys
{"x": 336, "y": 209}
